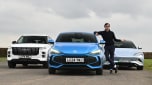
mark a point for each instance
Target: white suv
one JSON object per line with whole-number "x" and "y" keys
{"x": 29, "y": 49}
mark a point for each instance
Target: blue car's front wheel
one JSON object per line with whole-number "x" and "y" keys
{"x": 99, "y": 71}
{"x": 51, "y": 71}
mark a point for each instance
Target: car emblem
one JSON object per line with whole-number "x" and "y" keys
{"x": 74, "y": 51}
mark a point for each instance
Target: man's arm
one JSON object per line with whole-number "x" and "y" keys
{"x": 98, "y": 33}
{"x": 117, "y": 40}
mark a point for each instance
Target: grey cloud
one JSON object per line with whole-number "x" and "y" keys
{"x": 81, "y": 8}
{"x": 102, "y": 8}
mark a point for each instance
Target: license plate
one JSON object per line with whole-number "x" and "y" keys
{"x": 123, "y": 60}
{"x": 25, "y": 56}
{"x": 74, "y": 59}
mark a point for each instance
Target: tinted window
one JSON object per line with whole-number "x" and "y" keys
{"x": 77, "y": 37}
{"x": 125, "y": 44}
{"x": 33, "y": 39}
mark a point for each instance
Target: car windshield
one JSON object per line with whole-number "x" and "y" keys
{"x": 33, "y": 39}
{"x": 77, "y": 37}
{"x": 125, "y": 44}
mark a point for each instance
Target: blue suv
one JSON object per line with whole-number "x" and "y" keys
{"x": 76, "y": 50}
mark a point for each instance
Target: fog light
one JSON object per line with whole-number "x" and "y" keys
{"x": 43, "y": 56}
{"x": 43, "y": 52}
{"x": 8, "y": 52}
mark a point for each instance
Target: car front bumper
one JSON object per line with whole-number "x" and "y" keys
{"x": 127, "y": 61}
{"x": 27, "y": 61}
{"x": 131, "y": 63}
{"x": 91, "y": 62}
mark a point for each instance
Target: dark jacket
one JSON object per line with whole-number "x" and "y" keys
{"x": 108, "y": 37}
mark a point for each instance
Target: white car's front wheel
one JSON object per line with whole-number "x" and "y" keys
{"x": 140, "y": 67}
{"x": 11, "y": 64}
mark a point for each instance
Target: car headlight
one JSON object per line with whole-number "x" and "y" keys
{"x": 96, "y": 51}
{"x": 139, "y": 54}
{"x": 54, "y": 51}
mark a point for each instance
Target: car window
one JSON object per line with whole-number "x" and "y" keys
{"x": 77, "y": 37}
{"x": 125, "y": 44}
{"x": 33, "y": 39}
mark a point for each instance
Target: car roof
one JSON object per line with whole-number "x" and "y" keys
{"x": 75, "y": 33}
{"x": 34, "y": 35}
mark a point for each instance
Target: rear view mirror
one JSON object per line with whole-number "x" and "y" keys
{"x": 14, "y": 42}
{"x": 102, "y": 42}
{"x": 51, "y": 41}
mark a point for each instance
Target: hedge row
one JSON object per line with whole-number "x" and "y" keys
{"x": 148, "y": 55}
{"x": 3, "y": 53}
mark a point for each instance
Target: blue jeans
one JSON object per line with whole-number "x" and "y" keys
{"x": 109, "y": 54}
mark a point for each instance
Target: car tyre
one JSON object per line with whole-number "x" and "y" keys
{"x": 99, "y": 71}
{"x": 51, "y": 71}
{"x": 45, "y": 65}
{"x": 140, "y": 67}
{"x": 11, "y": 64}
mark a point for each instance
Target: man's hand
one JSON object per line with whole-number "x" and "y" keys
{"x": 96, "y": 33}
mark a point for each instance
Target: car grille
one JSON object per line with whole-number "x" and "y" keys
{"x": 25, "y": 51}
{"x": 87, "y": 60}
{"x": 126, "y": 58}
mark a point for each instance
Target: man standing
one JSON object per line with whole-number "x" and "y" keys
{"x": 109, "y": 38}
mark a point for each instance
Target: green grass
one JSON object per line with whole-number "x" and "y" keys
{"x": 3, "y": 59}
{"x": 148, "y": 64}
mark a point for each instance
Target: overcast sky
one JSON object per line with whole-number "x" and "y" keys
{"x": 130, "y": 19}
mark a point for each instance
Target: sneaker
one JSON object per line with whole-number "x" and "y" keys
{"x": 115, "y": 68}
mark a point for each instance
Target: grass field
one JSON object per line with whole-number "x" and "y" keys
{"x": 148, "y": 64}
{"x": 2, "y": 59}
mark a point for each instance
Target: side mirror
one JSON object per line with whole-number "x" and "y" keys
{"x": 139, "y": 47}
{"x": 14, "y": 42}
{"x": 102, "y": 42}
{"x": 51, "y": 41}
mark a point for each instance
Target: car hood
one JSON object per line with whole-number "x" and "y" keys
{"x": 76, "y": 48}
{"x": 120, "y": 52}
{"x": 29, "y": 45}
